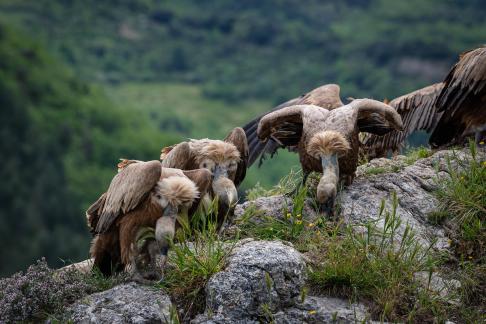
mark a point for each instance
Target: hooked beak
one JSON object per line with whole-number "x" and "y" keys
{"x": 223, "y": 187}
{"x": 165, "y": 228}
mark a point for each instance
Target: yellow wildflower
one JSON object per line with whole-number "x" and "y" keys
{"x": 311, "y": 225}
{"x": 484, "y": 163}
{"x": 299, "y": 216}
{"x": 298, "y": 222}
{"x": 470, "y": 257}
{"x": 289, "y": 215}
{"x": 482, "y": 142}
{"x": 312, "y": 312}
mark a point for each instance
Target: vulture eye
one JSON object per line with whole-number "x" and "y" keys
{"x": 205, "y": 165}
{"x": 159, "y": 196}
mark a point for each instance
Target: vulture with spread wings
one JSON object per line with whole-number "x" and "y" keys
{"x": 227, "y": 161}
{"x": 327, "y": 140}
{"x": 325, "y": 96}
{"x": 451, "y": 110}
{"x": 142, "y": 195}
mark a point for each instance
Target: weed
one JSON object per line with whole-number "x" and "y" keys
{"x": 285, "y": 185}
{"x": 374, "y": 170}
{"x": 378, "y": 264}
{"x": 416, "y": 153}
{"x": 191, "y": 264}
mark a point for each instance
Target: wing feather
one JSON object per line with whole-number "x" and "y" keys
{"x": 127, "y": 190}
{"x": 238, "y": 138}
{"x": 178, "y": 156}
{"x": 418, "y": 112}
{"x": 326, "y": 96}
{"x": 462, "y": 100}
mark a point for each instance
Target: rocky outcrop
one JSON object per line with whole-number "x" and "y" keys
{"x": 263, "y": 281}
{"x": 127, "y": 303}
{"x": 360, "y": 202}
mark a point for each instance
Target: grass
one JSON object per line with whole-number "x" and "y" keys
{"x": 285, "y": 185}
{"x": 198, "y": 255}
{"x": 378, "y": 265}
{"x": 412, "y": 155}
{"x": 375, "y": 170}
{"x": 462, "y": 197}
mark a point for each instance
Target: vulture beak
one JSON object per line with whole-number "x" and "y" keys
{"x": 224, "y": 188}
{"x": 327, "y": 187}
{"x": 165, "y": 229}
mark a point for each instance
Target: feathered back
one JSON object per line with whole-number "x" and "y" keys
{"x": 326, "y": 96}
{"x": 462, "y": 100}
{"x": 127, "y": 190}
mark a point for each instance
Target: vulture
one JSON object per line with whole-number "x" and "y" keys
{"x": 325, "y": 96}
{"x": 451, "y": 110}
{"x": 142, "y": 195}
{"x": 327, "y": 140}
{"x": 226, "y": 160}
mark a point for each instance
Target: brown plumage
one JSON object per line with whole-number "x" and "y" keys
{"x": 326, "y": 96}
{"x": 462, "y": 101}
{"x": 227, "y": 160}
{"x": 328, "y": 139}
{"x": 450, "y": 110}
{"x": 142, "y": 194}
{"x": 418, "y": 112}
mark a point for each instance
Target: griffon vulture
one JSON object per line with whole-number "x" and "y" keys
{"x": 450, "y": 110}
{"x": 326, "y": 96}
{"x": 141, "y": 195}
{"x": 227, "y": 160}
{"x": 327, "y": 140}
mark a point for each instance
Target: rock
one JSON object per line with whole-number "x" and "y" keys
{"x": 323, "y": 310}
{"x": 445, "y": 288}
{"x": 127, "y": 303}
{"x": 413, "y": 185}
{"x": 275, "y": 206}
{"x": 261, "y": 277}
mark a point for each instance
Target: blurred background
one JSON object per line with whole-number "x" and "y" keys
{"x": 83, "y": 83}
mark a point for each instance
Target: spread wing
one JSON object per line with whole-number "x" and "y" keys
{"x": 418, "y": 112}
{"x": 326, "y": 96}
{"x": 177, "y": 156}
{"x": 283, "y": 126}
{"x": 94, "y": 212}
{"x": 238, "y": 138}
{"x": 375, "y": 117}
{"x": 127, "y": 190}
{"x": 462, "y": 100}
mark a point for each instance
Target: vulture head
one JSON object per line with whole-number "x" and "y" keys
{"x": 226, "y": 160}
{"x": 327, "y": 146}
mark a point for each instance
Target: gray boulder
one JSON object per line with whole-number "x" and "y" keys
{"x": 261, "y": 278}
{"x": 127, "y": 303}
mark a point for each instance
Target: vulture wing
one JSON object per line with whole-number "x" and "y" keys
{"x": 127, "y": 190}
{"x": 326, "y": 96}
{"x": 418, "y": 112}
{"x": 177, "y": 156}
{"x": 238, "y": 138}
{"x": 376, "y": 117}
{"x": 462, "y": 100}
{"x": 283, "y": 126}
{"x": 94, "y": 212}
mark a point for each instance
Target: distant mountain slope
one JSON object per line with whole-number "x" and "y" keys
{"x": 273, "y": 49}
